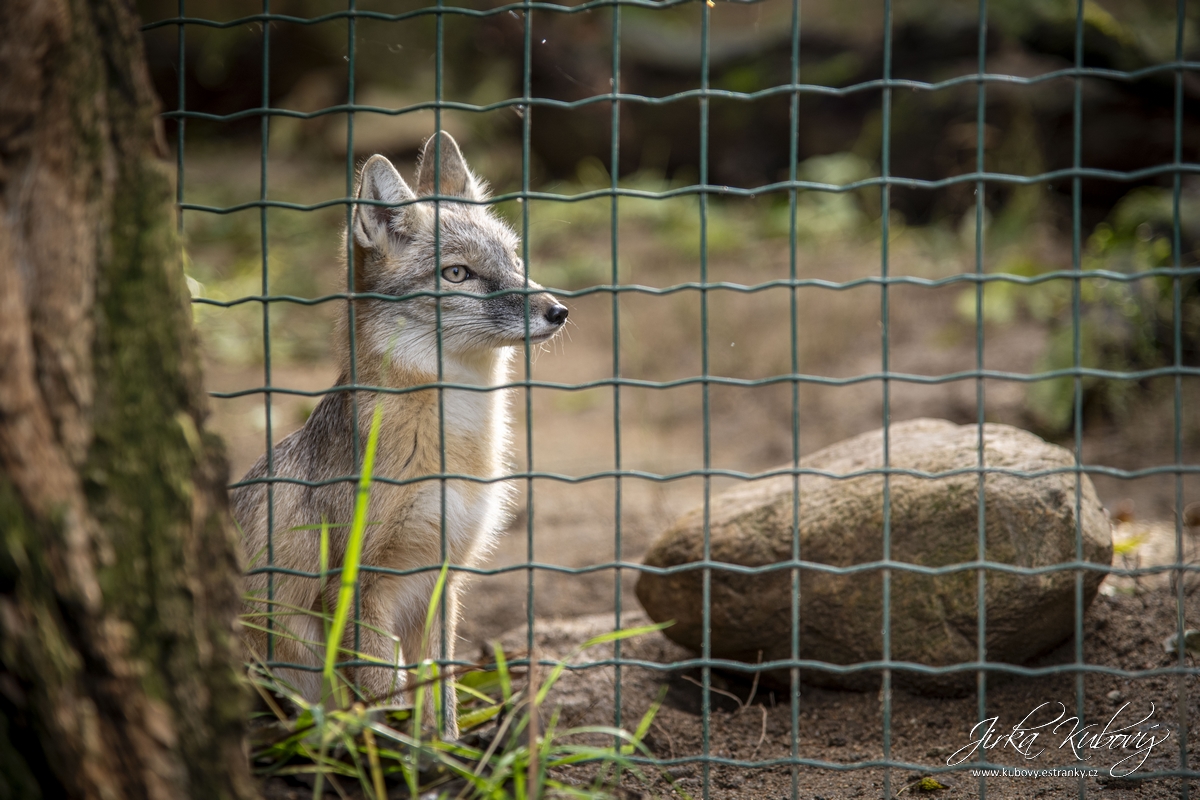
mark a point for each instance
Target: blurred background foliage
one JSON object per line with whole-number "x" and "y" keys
{"x": 1126, "y": 226}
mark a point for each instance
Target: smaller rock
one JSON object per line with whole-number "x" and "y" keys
{"x": 1115, "y": 696}
{"x": 1191, "y": 642}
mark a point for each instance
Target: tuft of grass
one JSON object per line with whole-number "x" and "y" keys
{"x": 388, "y": 754}
{"x": 385, "y": 750}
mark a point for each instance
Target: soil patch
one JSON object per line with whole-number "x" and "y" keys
{"x": 839, "y": 735}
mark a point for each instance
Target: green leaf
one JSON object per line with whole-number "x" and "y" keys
{"x": 1129, "y": 545}
{"x": 479, "y": 682}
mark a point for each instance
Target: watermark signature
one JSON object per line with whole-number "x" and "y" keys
{"x": 1051, "y": 772}
{"x": 1126, "y": 735}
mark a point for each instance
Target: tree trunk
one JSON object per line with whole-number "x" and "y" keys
{"x": 119, "y": 580}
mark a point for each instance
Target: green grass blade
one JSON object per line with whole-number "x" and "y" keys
{"x": 324, "y": 557}
{"x": 353, "y": 553}
{"x": 473, "y": 719}
{"x": 604, "y": 638}
{"x": 473, "y": 690}
{"x": 624, "y": 633}
{"x": 647, "y": 720}
{"x": 434, "y": 599}
{"x": 502, "y": 668}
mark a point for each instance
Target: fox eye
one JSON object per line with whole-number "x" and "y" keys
{"x": 456, "y": 274}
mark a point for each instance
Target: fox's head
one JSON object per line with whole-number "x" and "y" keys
{"x": 395, "y": 253}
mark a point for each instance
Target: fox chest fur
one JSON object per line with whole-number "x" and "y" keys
{"x": 419, "y": 439}
{"x": 465, "y": 434}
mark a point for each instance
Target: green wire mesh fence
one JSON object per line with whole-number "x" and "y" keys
{"x": 1177, "y": 273}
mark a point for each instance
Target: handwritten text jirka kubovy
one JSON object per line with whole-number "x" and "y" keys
{"x": 1131, "y": 739}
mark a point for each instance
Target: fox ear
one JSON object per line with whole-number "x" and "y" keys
{"x": 455, "y": 178}
{"x": 375, "y": 224}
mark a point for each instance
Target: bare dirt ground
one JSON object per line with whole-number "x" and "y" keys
{"x": 844, "y": 731}
{"x": 579, "y": 523}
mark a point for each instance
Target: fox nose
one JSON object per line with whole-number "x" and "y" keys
{"x": 556, "y": 314}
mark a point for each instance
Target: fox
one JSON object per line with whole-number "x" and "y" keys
{"x": 395, "y": 249}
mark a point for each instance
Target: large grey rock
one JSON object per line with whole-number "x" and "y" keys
{"x": 1030, "y": 522}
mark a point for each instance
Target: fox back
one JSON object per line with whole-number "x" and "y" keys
{"x": 464, "y": 303}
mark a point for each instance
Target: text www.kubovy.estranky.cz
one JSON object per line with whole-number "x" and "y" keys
{"x": 1047, "y": 772}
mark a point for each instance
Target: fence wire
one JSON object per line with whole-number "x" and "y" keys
{"x": 885, "y": 377}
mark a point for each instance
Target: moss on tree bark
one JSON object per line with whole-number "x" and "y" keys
{"x": 119, "y": 580}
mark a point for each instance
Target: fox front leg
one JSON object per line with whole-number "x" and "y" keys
{"x": 426, "y": 647}
{"x": 369, "y": 638}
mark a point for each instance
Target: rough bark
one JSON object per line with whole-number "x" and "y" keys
{"x": 118, "y": 573}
